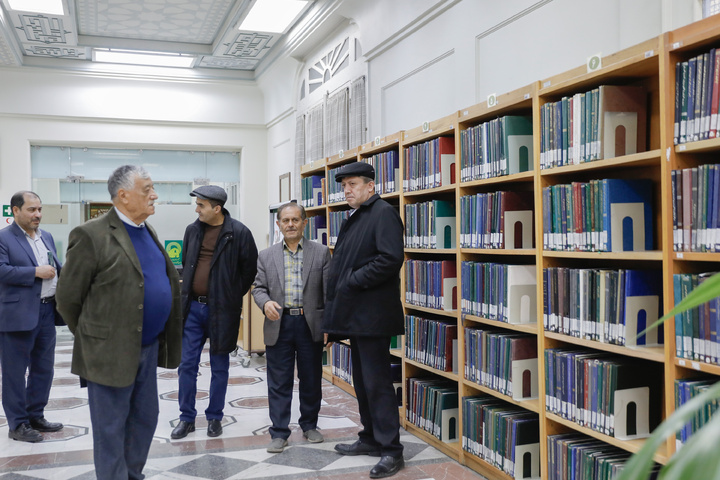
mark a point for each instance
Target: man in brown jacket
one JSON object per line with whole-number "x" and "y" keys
{"x": 120, "y": 296}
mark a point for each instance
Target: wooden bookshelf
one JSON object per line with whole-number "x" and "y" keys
{"x": 650, "y": 64}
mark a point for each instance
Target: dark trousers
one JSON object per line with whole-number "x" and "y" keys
{"x": 377, "y": 400}
{"x": 195, "y": 334}
{"x": 294, "y": 343}
{"x": 33, "y": 351}
{"x": 124, "y": 420}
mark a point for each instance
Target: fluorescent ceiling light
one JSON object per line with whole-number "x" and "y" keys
{"x": 50, "y": 7}
{"x": 272, "y": 16}
{"x": 131, "y": 57}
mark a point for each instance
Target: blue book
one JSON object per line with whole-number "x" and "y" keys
{"x": 715, "y": 230}
{"x": 677, "y": 293}
{"x": 691, "y": 99}
{"x": 648, "y": 284}
{"x": 620, "y": 202}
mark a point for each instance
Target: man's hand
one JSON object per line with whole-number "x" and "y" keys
{"x": 272, "y": 310}
{"x": 45, "y": 271}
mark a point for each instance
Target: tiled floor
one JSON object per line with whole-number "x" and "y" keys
{"x": 238, "y": 453}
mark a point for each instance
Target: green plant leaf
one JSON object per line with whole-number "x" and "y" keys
{"x": 704, "y": 292}
{"x": 640, "y": 464}
{"x": 698, "y": 458}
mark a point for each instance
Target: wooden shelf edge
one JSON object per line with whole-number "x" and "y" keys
{"x": 651, "y": 157}
{"x": 447, "y": 313}
{"x": 430, "y": 191}
{"x": 452, "y": 450}
{"x": 449, "y": 375}
{"x": 515, "y": 177}
{"x": 499, "y": 251}
{"x": 655, "y": 354}
{"x": 697, "y": 256}
{"x": 446, "y": 251}
{"x": 698, "y": 366}
{"x": 532, "y": 404}
{"x": 531, "y": 328}
{"x": 647, "y": 255}
{"x": 483, "y": 467}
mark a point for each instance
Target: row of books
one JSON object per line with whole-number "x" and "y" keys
{"x": 608, "y": 215}
{"x": 696, "y": 97}
{"x": 431, "y": 284}
{"x": 387, "y": 171}
{"x": 605, "y": 122}
{"x": 696, "y": 330}
{"x": 696, "y": 209}
{"x": 501, "y": 292}
{"x": 503, "y": 435}
{"x": 685, "y": 390}
{"x": 432, "y": 403}
{"x": 335, "y": 220}
{"x": 581, "y": 386}
{"x": 604, "y": 305}
{"x": 431, "y": 342}
{"x": 335, "y": 192}
{"x": 491, "y": 356}
{"x": 430, "y": 224}
{"x": 574, "y": 456}
{"x": 429, "y": 165}
{"x": 342, "y": 362}
{"x": 316, "y": 229}
{"x": 502, "y": 146}
{"x": 313, "y": 191}
{"x": 497, "y": 220}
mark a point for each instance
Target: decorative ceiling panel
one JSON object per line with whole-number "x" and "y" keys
{"x": 190, "y": 21}
{"x": 7, "y": 58}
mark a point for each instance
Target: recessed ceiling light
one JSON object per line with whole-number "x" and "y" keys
{"x": 273, "y": 16}
{"x": 131, "y": 57}
{"x": 50, "y": 7}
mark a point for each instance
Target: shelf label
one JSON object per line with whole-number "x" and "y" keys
{"x": 695, "y": 365}
{"x": 547, "y": 84}
{"x": 679, "y": 255}
{"x": 526, "y": 97}
{"x": 465, "y": 113}
{"x": 681, "y": 362}
{"x": 426, "y": 127}
{"x": 492, "y": 100}
{"x": 682, "y": 148}
{"x": 594, "y": 63}
{"x": 341, "y": 153}
{"x": 649, "y": 53}
{"x": 667, "y": 154}
{"x": 676, "y": 45}
{"x": 377, "y": 141}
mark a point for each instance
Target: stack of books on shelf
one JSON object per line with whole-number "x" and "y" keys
{"x": 685, "y": 390}
{"x": 429, "y": 165}
{"x": 696, "y": 209}
{"x": 431, "y": 284}
{"x": 586, "y": 126}
{"x": 502, "y": 146}
{"x": 506, "y": 293}
{"x": 387, "y": 171}
{"x": 696, "y": 97}
{"x": 316, "y": 229}
{"x": 605, "y": 305}
{"x": 342, "y": 362}
{"x": 503, "y": 435}
{"x": 432, "y": 405}
{"x": 602, "y": 392}
{"x": 335, "y": 193}
{"x": 431, "y": 342}
{"x": 608, "y": 215}
{"x": 497, "y": 220}
{"x": 505, "y": 362}
{"x": 336, "y": 220}
{"x": 696, "y": 330}
{"x": 430, "y": 224}
{"x": 313, "y": 191}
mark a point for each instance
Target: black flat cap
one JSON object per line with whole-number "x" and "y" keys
{"x": 210, "y": 192}
{"x": 355, "y": 169}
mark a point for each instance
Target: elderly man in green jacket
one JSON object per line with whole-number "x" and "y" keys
{"x": 120, "y": 296}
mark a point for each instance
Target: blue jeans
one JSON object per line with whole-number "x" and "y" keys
{"x": 194, "y": 336}
{"x": 32, "y": 350}
{"x": 124, "y": 420}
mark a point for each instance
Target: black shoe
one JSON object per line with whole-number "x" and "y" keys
{"x": 357, "y": 448}
{"x": 387, "y": 466}
{"x": 42, "y": 425}
{"x": 25, "y": 433}
{"x": 182, "y": 429}
{"x": 214, "y": 428}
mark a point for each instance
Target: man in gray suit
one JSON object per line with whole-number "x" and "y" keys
{"x": 290, "y": 288}
{"x": 120, "y": 296}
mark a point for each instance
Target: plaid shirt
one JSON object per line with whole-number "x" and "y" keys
{"x": 293, "y": 263}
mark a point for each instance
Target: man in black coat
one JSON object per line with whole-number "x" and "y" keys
{"x": 219, "y": 266}
{"x": 363, "y": 305}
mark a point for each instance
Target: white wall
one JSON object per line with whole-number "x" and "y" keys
{"x": 46, "y": 107}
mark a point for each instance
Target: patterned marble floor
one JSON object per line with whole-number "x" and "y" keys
{"x": 238, "y": 453}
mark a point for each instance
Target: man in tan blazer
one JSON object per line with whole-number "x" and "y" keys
{"x": 290, "y": 289}
{"x": 120, "y": 296}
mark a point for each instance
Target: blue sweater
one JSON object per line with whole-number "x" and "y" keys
{"x": 158, "y": 295}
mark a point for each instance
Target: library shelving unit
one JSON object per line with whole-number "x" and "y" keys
{"x": 642, "y": 155}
